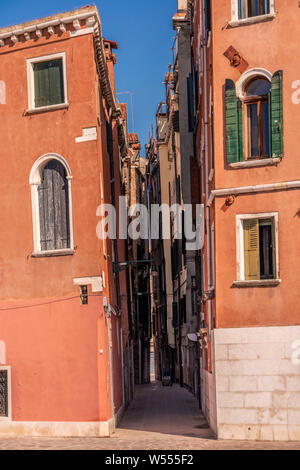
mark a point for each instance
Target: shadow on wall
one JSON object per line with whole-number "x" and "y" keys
{"x": 297, "y": 213}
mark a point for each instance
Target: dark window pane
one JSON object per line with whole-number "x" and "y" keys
{"x": 265, "y": 128}
{"x": 259, "y": 87}
{"x": 266, "y": 249}
{"x": 242, "y": 9}
{"x": 253, "y": 124}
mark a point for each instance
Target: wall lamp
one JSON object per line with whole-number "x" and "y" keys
{"x": 118, "y": 267}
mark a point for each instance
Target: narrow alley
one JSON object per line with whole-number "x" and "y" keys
{"x": 171, "y": 411}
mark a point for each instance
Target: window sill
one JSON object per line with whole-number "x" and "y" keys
{"x": 45, "y": 109}
{"x": 254, "y": 163}
{"x": 258, "y": 283}
{"x": 53, "y": 253}
{"x": 252, "y": 20}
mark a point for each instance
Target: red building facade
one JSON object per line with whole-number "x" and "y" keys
{"x": 63, "y": 319}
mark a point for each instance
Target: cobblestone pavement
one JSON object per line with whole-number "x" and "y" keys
{"x": 160, "y": 418}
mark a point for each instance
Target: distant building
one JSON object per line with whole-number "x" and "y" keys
{"x": 227, "y": 139}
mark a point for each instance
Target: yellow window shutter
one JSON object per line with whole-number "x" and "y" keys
{"x": 251, "y": 249}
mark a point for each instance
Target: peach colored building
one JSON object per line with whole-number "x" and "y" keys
{"x": 247, "y": 151}
{"x": 61, "y": 133}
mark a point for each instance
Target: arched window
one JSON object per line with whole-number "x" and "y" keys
{"x": 254, "y": 116}
{"x": 54, "y": 208}
{"x": 257, "y": 102}
{"x": 50, "y": 180}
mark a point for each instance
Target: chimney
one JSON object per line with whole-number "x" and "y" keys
{"x": 182, "y": 5}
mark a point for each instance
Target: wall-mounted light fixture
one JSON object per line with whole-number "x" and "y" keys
{"x": 84, "y": 295}
{"x": 118, "y": 267}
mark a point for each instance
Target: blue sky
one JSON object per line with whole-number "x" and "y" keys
{"x": 144, "y": 32}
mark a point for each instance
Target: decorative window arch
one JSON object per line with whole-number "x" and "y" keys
{"x": 254, "y": 116}
{"x": 51, "y": 192}
{"x": 246, "y": 11}
{"x": 248, "y": 76}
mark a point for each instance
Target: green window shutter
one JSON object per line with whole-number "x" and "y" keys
{"x": 56, "y": 82}
{"x": 251, "y": 249}
{"x": 234, "y": 124}
{"x": 276, "y": 110}
{"x": 48, "y": 83}
{"x": 41, "y": 85}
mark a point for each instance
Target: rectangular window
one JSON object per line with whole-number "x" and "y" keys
{"x": 250, "y": 8}
{"x": 258, "y": 248}
{"x": 47, "y": 81}
{"x": 259, "y": 129}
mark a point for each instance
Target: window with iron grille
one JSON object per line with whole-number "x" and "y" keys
{"x": 4, "y": 392}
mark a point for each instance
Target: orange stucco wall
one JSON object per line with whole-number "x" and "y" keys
{"x": 57, "y": 371}
{"x": 262, "y": 45}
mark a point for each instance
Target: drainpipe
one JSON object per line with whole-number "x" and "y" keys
{"x": 123, "y": 368}
{"x": 208, "y": 237}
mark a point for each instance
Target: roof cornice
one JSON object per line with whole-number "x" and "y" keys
{"x": 92, "y": 25}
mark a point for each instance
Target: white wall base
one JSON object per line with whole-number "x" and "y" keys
{"x": 56, "y": 429}
{"x": 257, "y": 374}
{"x": 61, "y": 429}
{"x": 208, "y": 398}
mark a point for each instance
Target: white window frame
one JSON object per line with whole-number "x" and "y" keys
{"x": 35, "y": 180}
{"x": 235, "y": 21}
{"x": 9, "y": 417}
{"x": 240, "y": 254}
{"x": 30, "y": 81}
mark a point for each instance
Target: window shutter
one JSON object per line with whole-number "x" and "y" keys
{"x": 41, "y": 85}
{"x": 61, "y": 207}
{"x": 266, "y": 6}
{"x": 56, "y": 92}
{"x": 276, "y": 105}
{"x": 251, "y": 249}
{"x": 234, "y": 124}
{"x": 42, "y": 211}
{"x": 54, "y": 208}
{"x": 48, "y": 83}
{"x": 175, "y": 315}
{"x": 190, "y": 88}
